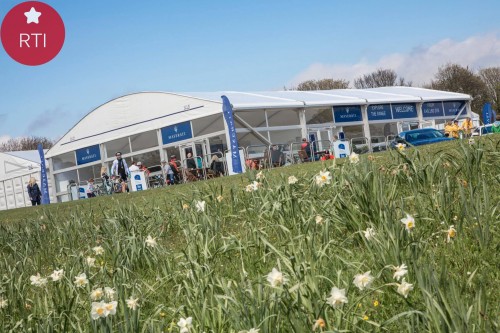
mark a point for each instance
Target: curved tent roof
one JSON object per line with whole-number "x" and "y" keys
{"x": 145, "y": 111}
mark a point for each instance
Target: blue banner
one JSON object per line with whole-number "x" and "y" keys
{"x": 432, "y": 109}
{"x": 487, "y": 112}
{"x": 379, "y": 112}
{"x": 404, "y": 110}
{"x": 347, "y": 114}
{"x": 87, "y": 155}
{"x": 227, "y": 110}
{"x": 177, "y": 132}
{"x": 43, "y": 174}
{"x": 452, "y": 108}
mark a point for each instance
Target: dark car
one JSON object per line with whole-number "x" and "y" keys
{"x": 420, "y": 137}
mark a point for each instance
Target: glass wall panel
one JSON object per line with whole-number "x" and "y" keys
{"x": 383, "y": 129}
{"x": 63, "y": 198}
{"x": 353, "y": 132}
{"x": 144, "y": 141}
{"x": 148, "y": 159}
{"x": 173, "y": 150}
{"x": 64, "y": 179}
{"x": 94, "y": 171}
{"x": 249, "y": 139}
{"x": 287, "y": 136}
{"x": 218, "y": 143}
{"x": 64, "y": 161}
{"x": 119, "y": 145}
{"x": 207, "y": 125}
{"x": 283, "y": 117}
{"x": 255, "y": 118}
{"x": 319, "y": 116}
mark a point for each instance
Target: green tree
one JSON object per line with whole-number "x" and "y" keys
{"x": 491, "y": 78}
{"x": 456, "y": 78}
{"x": 380, "y": 78}
{"x": 25, "y": 143}
{"x": 324, "y": 84}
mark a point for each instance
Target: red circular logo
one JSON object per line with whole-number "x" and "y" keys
{"x": 32, "y": 33}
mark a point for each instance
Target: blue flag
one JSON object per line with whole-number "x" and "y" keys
{"x": 44, "y": 180}
{"x": 227, "y": 110}
{"x": 487, "y": 113}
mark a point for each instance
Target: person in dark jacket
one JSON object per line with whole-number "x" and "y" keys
{"x": 34, "y": 192}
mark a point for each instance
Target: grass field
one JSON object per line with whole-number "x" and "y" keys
{"x": 398, "y": 242}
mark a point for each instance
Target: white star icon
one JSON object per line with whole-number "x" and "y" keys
{"x": 32, "y": 16}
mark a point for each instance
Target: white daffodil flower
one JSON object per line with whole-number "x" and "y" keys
{"x": 409, "y": 222}
{"x": 81, "y": 280}
{"x": 399, "y": 272}
{"x": 292, "y": 180}
{"x": 337, "y": 297}
{"x": 276, "y": 278}
{"x": 404, "y": 288}
{"x": 354, "y": 158}
{"x": 363, "y": 281}
{"x": 200, "y": 206}
{"x": 185, "y": 324}
{"x": 150, "y": 241}
{"x": 57, "y": 275}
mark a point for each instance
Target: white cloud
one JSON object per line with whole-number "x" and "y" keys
{"x": 420, "y": 64}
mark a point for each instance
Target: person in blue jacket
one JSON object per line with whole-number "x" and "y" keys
{"x": 34, "y": 192}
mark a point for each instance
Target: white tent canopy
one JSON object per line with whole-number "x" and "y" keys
{"x": 16, "y": 168}
{"x": 140, "y": 112}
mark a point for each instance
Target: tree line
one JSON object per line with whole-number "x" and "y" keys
{"x": 483, "y": 85}
{"x": 26, "y": 143}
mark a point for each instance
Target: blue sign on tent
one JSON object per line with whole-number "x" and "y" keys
{"x": 347, "y": 114}
{"x": 432, "y": 109}
{"x": 404, "y": 110}
{"x": 379, "y": 112}
{"x": 452, "y": 108}
{"x": 87, "y": 155}
{"x": 177, "y": 132}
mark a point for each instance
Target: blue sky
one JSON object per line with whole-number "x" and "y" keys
{"x": 116, "y": 47}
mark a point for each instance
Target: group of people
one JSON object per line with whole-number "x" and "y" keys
{"x": 452, "y": 130}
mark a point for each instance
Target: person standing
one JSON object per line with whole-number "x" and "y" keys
{"x": 120, "y": 168}
{"x": 454, "y": 129}
{"x": 169, "y": 173}
{"x": 467, "y": 126}
{"x": 34, "y": 192}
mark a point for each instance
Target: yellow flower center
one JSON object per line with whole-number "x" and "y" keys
{"x": 410, "y": 225}
{"x": 365, "y": 317}
{"x": 376, "y": 303}
{"x": 452, "y": 233}
{"x": 100, "y": 311}
{"x": 109, "y": 307}
{"x": 323, "y": 177}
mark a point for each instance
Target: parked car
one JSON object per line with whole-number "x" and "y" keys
{"x": 419, "y": 137}
{"x": 482, "y": 130}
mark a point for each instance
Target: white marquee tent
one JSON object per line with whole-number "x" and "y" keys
{"x": 16, "y": 168}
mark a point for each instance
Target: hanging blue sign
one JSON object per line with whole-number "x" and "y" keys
{"x": 227, "y": 110}
{"x": 177, "y": 132}
{"x": 43, "y": 175}
{"x": 347, "y": 114}
{"x": 487, "y": 113}
{"x": 432, "y": 109}
{"x": 379, "y": 112}
{"x": 87, "y": 155}
{"x": 452, "y": 108}
{"x": 404, "y": 110}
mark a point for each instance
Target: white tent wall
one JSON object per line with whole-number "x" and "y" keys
{"x": 16, "y": 169}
